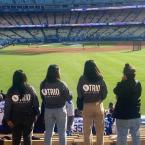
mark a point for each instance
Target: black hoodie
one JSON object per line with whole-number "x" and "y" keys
{"x": 21, "y": 108}
{"x": 128, "y": 94}
{"x": 54, "y": 94}
{"x": 89, "y": 92}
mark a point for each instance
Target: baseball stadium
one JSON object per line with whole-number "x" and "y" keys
{"x": 37, "y": 33}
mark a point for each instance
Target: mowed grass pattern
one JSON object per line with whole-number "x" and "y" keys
{"x": 71, "y": 64}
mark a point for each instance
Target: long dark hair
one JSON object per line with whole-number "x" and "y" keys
{"x": 53, "y": 74}
{"x": 92, "y": 72}
{"x": 19, "y": 81}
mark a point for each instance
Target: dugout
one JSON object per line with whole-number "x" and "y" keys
{"x": 137, "y": 45}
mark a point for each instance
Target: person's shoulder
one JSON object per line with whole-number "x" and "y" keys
{"x": 138, "y": 83}
{"x": 28, "y": 86}
{"x": 121, "y": 82}
{"x": 63, "y": 83}
{"x": 32, "y": 88}
{"x": 101, "y": 80}
{"x": 10, "y": 90}
{"x": 43, "y": 84}
{"x": 82, "y": 78}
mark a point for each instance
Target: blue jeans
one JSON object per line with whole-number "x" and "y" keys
{"x": 52, "y": 116}
{"x": 131, "y": 125}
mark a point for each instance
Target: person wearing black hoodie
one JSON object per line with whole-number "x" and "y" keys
{"x": 92, "y": 91}
{"x": 127, "y": 108}
{"x": 21, "y": 108}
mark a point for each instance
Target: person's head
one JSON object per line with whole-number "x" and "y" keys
{"x": 19, "y": 79}
{"x": 77, "y": 113}
{"x": 91, "y": 71}
{"x": 129, "y": 71}
{"x": 111, "y": 105}
{"x": 53, "y": 73}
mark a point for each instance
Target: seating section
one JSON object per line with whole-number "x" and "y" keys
{"x": 74, "y": 34}
{"x": 109, "y": 16}
{"x": 94, "y": 25}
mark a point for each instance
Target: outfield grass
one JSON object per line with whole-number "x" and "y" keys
{"x": 71, "y": 64}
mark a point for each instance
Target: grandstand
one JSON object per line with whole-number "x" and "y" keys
{"x": 24, "y": 21}
{"x": 75, "y": 21}
{"x": 83, "y": 17}
{"x": 72, "y": 3}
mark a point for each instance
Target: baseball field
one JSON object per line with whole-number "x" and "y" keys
{"x": 35, "y": 59}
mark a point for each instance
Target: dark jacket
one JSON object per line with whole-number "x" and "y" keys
{"x": 21, "y": 108}
{"x": 128, "y": 94}
{"x": 90, "y": 92}
{"x": 54, "y": 95}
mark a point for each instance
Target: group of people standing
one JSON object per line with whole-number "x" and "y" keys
{"x": 22, "y": 107}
